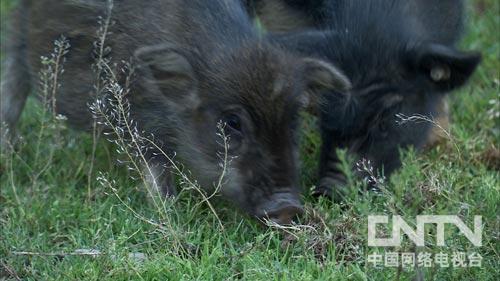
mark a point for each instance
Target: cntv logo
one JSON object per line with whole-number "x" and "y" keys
{"x": 418, "y": 235}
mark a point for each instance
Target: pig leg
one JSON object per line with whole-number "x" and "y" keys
{"x": 332, "y": 181}
{"x": 15, "y": 83}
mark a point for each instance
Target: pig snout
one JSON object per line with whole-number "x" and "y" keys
{"x": 281, "y": 209}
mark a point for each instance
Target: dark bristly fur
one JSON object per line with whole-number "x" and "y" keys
{"x": 14, "y": 72}
{"x": 199, "y": 62}
{"x": 401, "y": 59}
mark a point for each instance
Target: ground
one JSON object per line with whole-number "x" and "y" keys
{"x": 55, "y": 214}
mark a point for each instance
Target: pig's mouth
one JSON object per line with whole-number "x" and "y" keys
{"x": 280, "y": 208}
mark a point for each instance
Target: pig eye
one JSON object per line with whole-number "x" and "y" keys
{"x": 232, "y": 121}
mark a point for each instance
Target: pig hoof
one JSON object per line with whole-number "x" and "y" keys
{"x": 334, "y": 190}
{"x": 320, "y": 191}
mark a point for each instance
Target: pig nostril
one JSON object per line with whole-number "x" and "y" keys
{"x": 285, "y": 215}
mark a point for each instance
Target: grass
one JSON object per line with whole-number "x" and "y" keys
{"x": 47, "y": 212}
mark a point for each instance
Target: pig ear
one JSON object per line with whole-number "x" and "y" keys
{"x": 323, "y": 79}
{"x": 169, "y": 69}
{"x": 445, "y": 67}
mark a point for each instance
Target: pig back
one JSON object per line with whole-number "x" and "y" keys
{"x": 200, "y": 26}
